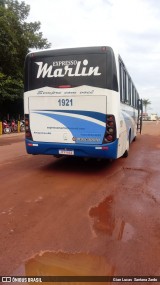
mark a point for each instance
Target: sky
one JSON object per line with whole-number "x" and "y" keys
{"x": 130, "y": 26}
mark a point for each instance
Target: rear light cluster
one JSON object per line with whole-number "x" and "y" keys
{"x": 27, "y": 128}
{"x": 110, "y": 133}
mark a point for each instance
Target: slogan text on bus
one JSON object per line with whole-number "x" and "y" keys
{"x": 80, "y": 69}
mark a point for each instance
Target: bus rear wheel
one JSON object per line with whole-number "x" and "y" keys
{"x": 126, "y": 153}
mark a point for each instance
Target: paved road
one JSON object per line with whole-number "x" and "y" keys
{"x": 93, "y": 218}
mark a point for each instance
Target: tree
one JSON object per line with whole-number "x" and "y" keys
{"x": 17, "y": 38}
{"x": 146, "y": 102}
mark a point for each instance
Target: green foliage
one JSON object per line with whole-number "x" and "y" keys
{"x": 17, "y": 38}
{"x": 10, "y": 88}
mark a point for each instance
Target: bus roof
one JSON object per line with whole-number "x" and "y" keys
{"x": 67, "y": 51}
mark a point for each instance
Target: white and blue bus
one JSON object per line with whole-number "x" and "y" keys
{"x": 79, "y": 102}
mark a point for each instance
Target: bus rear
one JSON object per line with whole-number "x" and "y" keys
{"x": 68, "y": 102}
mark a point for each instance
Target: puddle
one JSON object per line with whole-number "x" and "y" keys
{"x": 105, "y": 222}
{"x": 103, "y": 216}
{"x": 69, "y": 265}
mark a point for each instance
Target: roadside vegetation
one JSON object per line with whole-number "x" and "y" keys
{"x": 17, "y": 38}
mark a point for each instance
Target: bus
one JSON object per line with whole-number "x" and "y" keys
{"x": 80, "y": 102}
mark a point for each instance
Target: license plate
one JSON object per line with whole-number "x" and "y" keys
{"x": 66, "y": 152}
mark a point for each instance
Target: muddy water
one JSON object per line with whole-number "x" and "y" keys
{"x": 65, "y": 264}
{"x": 113, "y": 222}
{"x": 105, "y": 214}
{"x": 105, "y": 221}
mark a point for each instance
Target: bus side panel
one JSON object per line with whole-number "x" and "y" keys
{"x": 128, "y": 127}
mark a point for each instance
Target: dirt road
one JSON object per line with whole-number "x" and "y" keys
{"x": 66, "y": 215}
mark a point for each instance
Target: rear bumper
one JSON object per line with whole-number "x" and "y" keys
{"x": 97, "y": 151}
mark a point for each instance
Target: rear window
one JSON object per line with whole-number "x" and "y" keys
{"x": 96, "y": 70}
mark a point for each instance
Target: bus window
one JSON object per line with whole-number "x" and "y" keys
{"x": 129, "y": 91}
{"x": 133, "y": 95}
{"x": 124, "y": 86}
{"x": 122, "y": 83}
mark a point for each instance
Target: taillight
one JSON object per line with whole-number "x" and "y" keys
{"x": 110, "y": 133}
{"x": 27, "y": 128}
{"x": 64, "y": 86}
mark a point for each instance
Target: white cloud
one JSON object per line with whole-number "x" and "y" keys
{"x": 130, "y": 25}
{"x": 133, "y": 16}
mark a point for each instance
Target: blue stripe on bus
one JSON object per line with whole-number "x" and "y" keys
{"x": 95, "y": 115}
{"x": 79, "y": 150}
{"x": 79, "y": 127}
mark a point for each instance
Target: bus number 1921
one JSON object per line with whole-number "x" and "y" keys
{"x": 65, "y": 102}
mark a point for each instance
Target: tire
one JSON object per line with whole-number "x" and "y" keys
{"x": 7, "y": 130}
{"x": 22, "y": 128}
{"x": 126, "y": 153}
